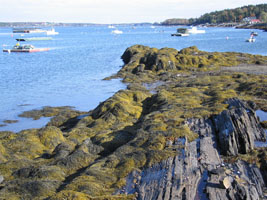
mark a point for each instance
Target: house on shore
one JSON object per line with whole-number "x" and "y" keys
{"x": 251, "y": 20}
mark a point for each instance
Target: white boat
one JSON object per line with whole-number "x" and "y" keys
{"x": 251, "y": 39}
{"x": 27, "y": 48}
{"x": 254, "y": 33}
{"x": 183, "y": 32}
{"x": 51, "y": 32}
{"x": 28, "y": 30}
{"x": 111, "y": 26}
{"x": 116, "y": 31}
{"x": 194, "y": 30}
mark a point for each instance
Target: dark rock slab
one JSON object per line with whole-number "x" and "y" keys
{"x": 237, "y": 128}
{"x": 184, "y": 176}
{"x": 171, "y": 179}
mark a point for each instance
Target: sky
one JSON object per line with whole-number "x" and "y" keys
{"x": 111, "y": 11}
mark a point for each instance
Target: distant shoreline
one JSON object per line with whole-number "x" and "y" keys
{"x": 49, "y": 24}
{"x": 261, "y": 26}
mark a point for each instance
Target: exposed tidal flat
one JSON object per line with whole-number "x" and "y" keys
{"x": 185, "y": 123}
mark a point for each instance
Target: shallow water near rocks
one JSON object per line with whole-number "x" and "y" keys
{"x": 263, "y": 117}
{"x": 201, "y": 195}
{"x": 71, "y": 73}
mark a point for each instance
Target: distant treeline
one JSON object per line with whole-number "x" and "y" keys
{"x": 177, "y": 21}
{"x": 225, "y": 16}
{"x": 234, "y": 15}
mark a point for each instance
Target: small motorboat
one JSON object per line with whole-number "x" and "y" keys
{"x": 254, "y": 33}
{"x": 52, "y": 32}
{"x": 251, "y": 39}
{"x": 28, "y": 30}
{"x": 116, "y": 31}
{"x": 27, "y": 48}
{"x": 181, "y": 32}
{"x": 194, "y": 30}
{"x": 33, "y": 39}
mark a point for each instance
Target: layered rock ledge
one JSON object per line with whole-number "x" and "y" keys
{"x": 185, "y": 128}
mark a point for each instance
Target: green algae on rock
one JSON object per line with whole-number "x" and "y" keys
{"x": 140, "y": 59}
{"x": 10, "y": 121}
{"x": 61, "y": 116}
{"x": 49, "y": 111}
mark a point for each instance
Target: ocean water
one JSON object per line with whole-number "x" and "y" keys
{"x": 71, "y": 73}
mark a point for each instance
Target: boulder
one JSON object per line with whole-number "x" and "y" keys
{"x": 51, "y": 136}
{"x": 1, "y": 179}
{"x": 225, "y": 182}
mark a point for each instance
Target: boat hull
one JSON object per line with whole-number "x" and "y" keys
{"x": 25, "y": 50}
{"x": 28, "y": 31}
{"x": 116, "y": 32}
{"x": 194, "y": 30}
{"x": 251, "y": 40}
{"x": 180, "y": 34}
{"x": 33, "y": 39}
{"x": 197, "y": 32}
{"x": 51, "y": 33}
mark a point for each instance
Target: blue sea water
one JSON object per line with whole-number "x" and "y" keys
{"x": 71, "y": 73}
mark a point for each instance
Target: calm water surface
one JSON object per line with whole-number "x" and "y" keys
{"x": 71, "y": 72}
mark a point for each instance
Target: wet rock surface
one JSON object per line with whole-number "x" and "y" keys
{"x": 183, "y": 129}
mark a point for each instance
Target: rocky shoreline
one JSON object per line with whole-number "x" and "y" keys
{"x": 184, "y": 128}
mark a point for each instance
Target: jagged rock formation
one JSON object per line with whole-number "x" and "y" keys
{"x": 237, "y": 129}
{"x": 199, "y": 166}
{"x": 183, "y": 129}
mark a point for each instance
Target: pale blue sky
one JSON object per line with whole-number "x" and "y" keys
{"x": 111, "y": 11}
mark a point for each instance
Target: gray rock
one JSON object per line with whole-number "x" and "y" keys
{"x": 41, "y": 172}
{"x": 92, "y": 148}
{"x": 203, "y": 127}
{"x": 1, "y": 179}
{"x": 62, "y": 150}
{"x": 139, "y": 68}
{"x": 225, "y": 182}
{"x": 171, "y": 179}
{"x": 219, "y": 171}
{"x": 185, "y": 175}
{"x": 237, "y": 128}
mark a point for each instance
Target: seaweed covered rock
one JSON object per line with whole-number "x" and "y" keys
{"x": 47, "y": 111}
{"x": 51, "y": 136}
{"x": 140, "y": 59}
{"x": 71, "y": 158}
{"x": 60, "y": 114}
{"x": 130, "y": 53}
{"x": 36, "y": 189}
{"x": 122, "y": 104}
{"x": 180, "y": 127}
{"x": 40, "y": 173}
